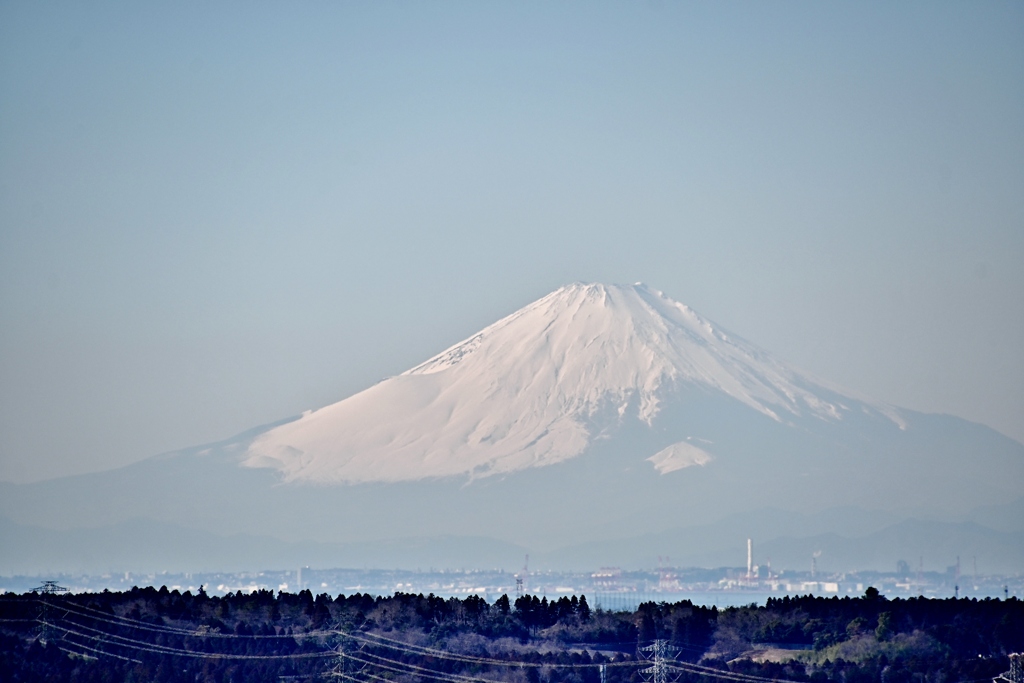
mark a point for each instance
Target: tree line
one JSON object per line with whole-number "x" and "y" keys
{"x": 168, "y": 636}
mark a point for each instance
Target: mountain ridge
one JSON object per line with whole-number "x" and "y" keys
{"x": 524, "y": 392}
{"x": 705, "y": 454}
{"x": 868, "y": 541}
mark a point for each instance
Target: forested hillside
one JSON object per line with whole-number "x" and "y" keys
{"x": 158, "y": 635}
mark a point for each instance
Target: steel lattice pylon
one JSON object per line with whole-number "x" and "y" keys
{"x": 1016, "y": 672}
{"x": 659, "y": 653}
{"x": 48, "y": 588}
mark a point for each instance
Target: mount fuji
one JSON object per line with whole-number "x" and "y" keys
{"x": 538, "y": 388}
{"x": 595, "y": 415}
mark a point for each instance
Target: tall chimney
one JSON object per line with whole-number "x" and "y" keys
{"x": 750, "y": 559}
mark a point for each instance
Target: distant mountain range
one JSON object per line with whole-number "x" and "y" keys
{"x": 145, "y": 545}
{"x": 599, "y": 425}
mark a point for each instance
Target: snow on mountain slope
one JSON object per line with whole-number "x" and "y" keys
{"x": 525, "y": 392}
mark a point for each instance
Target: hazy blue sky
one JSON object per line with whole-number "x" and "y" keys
{"x": 214, "y": 215}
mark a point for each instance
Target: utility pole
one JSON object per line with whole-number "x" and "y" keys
{"x": 659, "y": 654}
{"x": 48, "y": 588}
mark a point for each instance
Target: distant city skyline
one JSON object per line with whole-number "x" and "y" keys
{"x": 214, "y": 217}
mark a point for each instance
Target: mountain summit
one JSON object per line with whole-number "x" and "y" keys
{"x": 537, "y": 388}
{"x": 599, "y": 425}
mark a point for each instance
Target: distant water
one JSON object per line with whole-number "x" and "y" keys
{"x": 630, "y": 601}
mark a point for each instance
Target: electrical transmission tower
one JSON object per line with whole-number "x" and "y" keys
{"x": 1016, "y": 672}
{"x": 48, "y": 588}
{"x": 520, "y": 588}
{"x": 339, "y": 669}
{"x": 345, "y": 667}
{"x": 660, "y": 654}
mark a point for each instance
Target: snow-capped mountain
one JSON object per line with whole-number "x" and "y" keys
{"x": 593, "y": 416}
{"x": 527, "y": 390}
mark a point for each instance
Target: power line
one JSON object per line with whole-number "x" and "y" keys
{"x": 731, "y": 675}
{"x": 372, "y": 639}
{"x": 133, "y": 644}
{"x": 419, "y": 649}
{"x": 133, "y": 623}
{"x": 356, "y": 680}
{"x": 92, "y": 649}
{"x": 125, "y": 641}
{"x": 412, "y": 669}
{"x": 368, "y": 638}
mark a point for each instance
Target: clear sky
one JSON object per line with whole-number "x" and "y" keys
{"x": 214, "y": 215}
